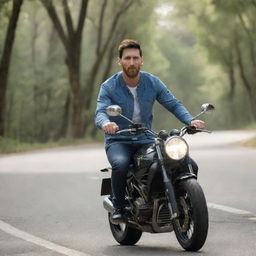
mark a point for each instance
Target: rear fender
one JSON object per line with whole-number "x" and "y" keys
{"x": 106, "y": 183}
{"x": 105, "y": 187}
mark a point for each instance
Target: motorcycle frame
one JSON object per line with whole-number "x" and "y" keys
{"x": 186, "y": 172}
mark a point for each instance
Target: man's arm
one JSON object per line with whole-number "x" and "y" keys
{"x": 101, "y": 117}
{"x": 167, "y": 99}
{"x": 103, "y": 102}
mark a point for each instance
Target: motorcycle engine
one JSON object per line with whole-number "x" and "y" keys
{"x": 163, "y": 215}
{"x": 141, "y": 209}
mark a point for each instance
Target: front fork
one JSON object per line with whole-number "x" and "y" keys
{"x": 172, "y": 204}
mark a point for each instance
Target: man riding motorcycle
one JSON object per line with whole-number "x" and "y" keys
{"x": 135, "y": 92}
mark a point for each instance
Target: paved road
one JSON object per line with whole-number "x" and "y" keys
{"x": 50, "y": 203}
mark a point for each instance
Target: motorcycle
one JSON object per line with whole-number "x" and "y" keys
{"x": 162, "y": 191}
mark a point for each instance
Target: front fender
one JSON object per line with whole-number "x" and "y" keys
{"x": 184, "y": 176}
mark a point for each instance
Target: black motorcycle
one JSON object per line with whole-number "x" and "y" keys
{"x": 162, "y": 193}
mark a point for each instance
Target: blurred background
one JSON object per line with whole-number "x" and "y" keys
{"x": 55, "y": 54}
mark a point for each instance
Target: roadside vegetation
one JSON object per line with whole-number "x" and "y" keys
{"x": 55, "y": 54}
{"x": 13, "y": 146}
{"x": 250, "y": 143}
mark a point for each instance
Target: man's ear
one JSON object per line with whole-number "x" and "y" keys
{"x": 142, "y": 60}
{"x": 119, "y": 61}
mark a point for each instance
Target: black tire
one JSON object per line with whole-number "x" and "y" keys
{"x": 124, "y": 234}
{"x": 191, "y": 227}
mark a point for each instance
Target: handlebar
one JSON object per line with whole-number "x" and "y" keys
{"x": 192, "y": 130}
{"x": 130, "y": 130}
{"x": 182, "y": 132}
{"x": 137, "y": 130}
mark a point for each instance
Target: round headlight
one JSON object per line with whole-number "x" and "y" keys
{"x": 176, "y": 148}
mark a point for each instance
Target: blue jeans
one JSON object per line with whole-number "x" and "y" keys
{"x": 120, "y": 157}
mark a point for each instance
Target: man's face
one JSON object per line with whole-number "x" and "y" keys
{"x": 131, "y": 62}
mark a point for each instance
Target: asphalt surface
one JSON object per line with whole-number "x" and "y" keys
{"x": 50, "y": 202}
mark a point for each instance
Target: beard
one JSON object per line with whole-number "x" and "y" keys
{"x": 131, "y": 72}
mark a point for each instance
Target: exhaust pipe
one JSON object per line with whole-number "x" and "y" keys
{"x": 108, "y": 205}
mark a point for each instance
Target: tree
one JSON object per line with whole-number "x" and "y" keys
{"x": 71, "y": 38}
{"x": 240, "y": 50}
{"x": 72, "y": 41}
{"x": 107, "y": 38}
{"x": 6, "y": 59}
{"x": 227, "y": 30}
{"x": 119, "y": 20}
{"x": 39, "y": 96}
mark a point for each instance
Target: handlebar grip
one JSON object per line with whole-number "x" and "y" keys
{"x": 136, "y": 130}
{"x": 123, "y": 131}
{"x": 193, "y": 130}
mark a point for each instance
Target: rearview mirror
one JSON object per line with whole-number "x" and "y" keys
{"x": 207, "y": 108}
{"x": 114, "y": 110}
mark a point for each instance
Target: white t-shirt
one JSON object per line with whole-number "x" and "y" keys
{"x": 136, "y": 118}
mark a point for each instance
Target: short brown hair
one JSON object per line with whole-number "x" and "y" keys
{"x": 128, "y": 43}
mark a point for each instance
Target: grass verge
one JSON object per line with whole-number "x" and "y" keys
{"x": 13, "y": 146}
{"x": 250, "y": 142}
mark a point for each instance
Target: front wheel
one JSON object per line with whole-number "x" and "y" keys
{"x": 191, "y": 227}
{"x": 124, "y": 234}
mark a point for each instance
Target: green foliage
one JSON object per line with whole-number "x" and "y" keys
{"x": 183, "y": 70}
{"x": 8, "y": 145}
{"x": 38, "y": 82}
{"x": 250, "y": 142}
{"x": 38, "y": 95}
{"x": 192, "y": 47}
{"x": 226, "y": 30}
{"x": 5, "y": 8}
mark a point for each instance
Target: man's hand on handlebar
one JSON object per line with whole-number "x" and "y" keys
{"x": 199, "y": 124}
{"x": 110, "y": 128}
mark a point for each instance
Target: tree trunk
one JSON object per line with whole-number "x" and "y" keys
{"x": 73, "y": 64}
{"x": 36, "y": 103}
{"x": 77, "y": 117}
{"x": 252, "y": 102}
{"x": 71, "y": 41}
{"x": 6, "y": 59}
{"x": 64, "y": 123}
{"x": 246, "y": 82}
{"x": 232, "y": 81}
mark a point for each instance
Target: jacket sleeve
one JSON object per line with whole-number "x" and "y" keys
{"x": 103, "y": 102}
{"x": 166, "y": 98}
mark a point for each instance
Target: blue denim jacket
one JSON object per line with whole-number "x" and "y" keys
{"x": 115, "y": 92}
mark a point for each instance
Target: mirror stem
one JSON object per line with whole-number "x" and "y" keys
{"x": 126, "y": 118}
{"x": 198, "y": 115}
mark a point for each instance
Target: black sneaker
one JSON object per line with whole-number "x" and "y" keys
{"x": 118, "y": 216}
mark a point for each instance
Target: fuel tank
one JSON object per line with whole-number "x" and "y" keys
{"x": 143, "y": 159}
{"x": 147, "y": 169}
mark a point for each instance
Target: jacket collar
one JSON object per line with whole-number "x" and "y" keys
{"x": 122, "y": 82}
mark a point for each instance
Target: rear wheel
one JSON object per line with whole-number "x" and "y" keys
{"x": 124, "y": 234}
{"x": 191, "y": 227}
